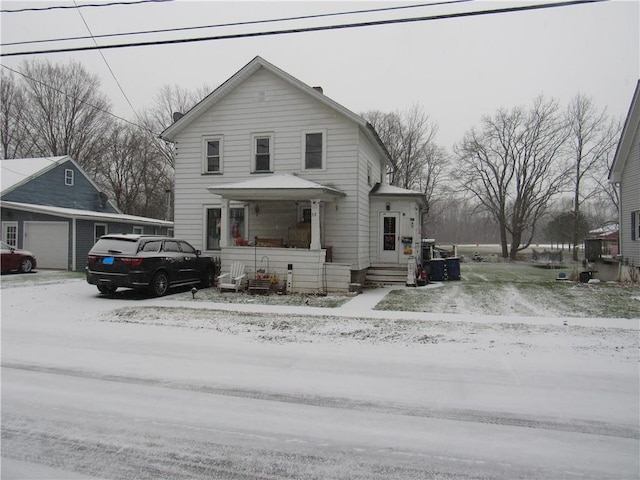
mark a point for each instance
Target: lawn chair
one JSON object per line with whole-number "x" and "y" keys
{"x": 233, "y": 279}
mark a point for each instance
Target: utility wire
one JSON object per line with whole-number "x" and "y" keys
{"x": 80, "y": 100}
{"x": 66, "y": 7}
{"x": 108, "y": 66}
{"x": 236, "y": 24}
{"x": 538, "y": 6}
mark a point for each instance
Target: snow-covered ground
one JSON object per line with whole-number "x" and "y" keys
{"x": 128, "y": 387}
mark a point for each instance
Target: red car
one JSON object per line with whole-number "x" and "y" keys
{"x": 14, "y": 259}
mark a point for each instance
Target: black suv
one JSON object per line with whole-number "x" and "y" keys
{"x": 146, "y": 263}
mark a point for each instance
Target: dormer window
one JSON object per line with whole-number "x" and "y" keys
{"x": 68, "y": 177}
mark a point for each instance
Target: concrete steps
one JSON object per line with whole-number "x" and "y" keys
{"x": 386, "y": 274}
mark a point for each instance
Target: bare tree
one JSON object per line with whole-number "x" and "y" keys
{"x": 14, "y": 135}
{"x": 171, "y": 100}
{"x": 67, "y": 114}
{"x": 409, "y": 138}
{"x": 428, "y": 181}
{"x": 592, "y": 141}
{"x": 136, "y": 175}
{"x": 511, "y": 167}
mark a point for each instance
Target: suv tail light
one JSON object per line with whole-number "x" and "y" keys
{"x": 134, "y": 262}
{"x": 91, "y": 259}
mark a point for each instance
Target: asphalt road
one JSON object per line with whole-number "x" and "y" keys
{"x": 89, "y": 399}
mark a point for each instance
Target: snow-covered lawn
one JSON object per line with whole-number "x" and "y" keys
{"x": 249, "y": 386}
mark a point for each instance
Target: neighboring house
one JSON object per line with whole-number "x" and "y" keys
{"x": 271, "y": 172}
{"x": 625, "y": 172}
{"x": 52, "y": 208}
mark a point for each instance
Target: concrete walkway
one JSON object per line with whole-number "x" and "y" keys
{"x": 363, "y": 306}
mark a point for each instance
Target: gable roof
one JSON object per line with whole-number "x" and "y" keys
{"x": 20, "y": 171}
{"x": 626, "y": 138}
{"x": 248, "y": 70}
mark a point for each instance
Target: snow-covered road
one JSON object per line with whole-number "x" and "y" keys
{"x": 146, "y": 394}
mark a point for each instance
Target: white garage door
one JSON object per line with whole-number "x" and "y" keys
{"x": 49, "y": 241}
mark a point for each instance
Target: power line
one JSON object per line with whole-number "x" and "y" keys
{"x": 80, "y": 100}
{"x": 312, "y": 29}
{"x": 66, "y": 7}
{"x": 236, "y": 24}
{"x": 104, "y": 59}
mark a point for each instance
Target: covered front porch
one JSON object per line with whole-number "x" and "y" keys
{"x": 281, "y": 237}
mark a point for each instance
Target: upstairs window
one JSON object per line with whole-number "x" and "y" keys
{"x": 212, "y": 158}
{"x": 262, "y": 153}
{"x": 314, "y": 150}
{"x": 68, "y": 177}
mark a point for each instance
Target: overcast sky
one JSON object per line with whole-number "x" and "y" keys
{"x": 458, "y": 69}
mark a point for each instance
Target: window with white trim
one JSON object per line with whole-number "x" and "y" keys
{"x": 10, "y": 233}
{"x": 212, "y": 154}
{"x": 314, "y": 147}
{"x": 262, "y": 152}
{"x": 138, "y": 230}
{"x": 68, "y": 177}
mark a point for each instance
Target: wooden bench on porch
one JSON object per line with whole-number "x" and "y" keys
{"x": 269, "y": 242}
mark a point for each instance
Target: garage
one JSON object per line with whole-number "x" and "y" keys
{"x": 49, "y": 241}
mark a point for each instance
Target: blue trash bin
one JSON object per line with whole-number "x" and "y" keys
{"x": 436, "y": 269}
{"x": 453, "y": 268}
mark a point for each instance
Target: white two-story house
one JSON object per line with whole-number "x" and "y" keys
{"x": 271, "y": 172}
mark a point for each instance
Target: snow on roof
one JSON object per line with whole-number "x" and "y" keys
{"x": 85, "y": 214}
{"x": 393, "y": 190}
{"x": 276, "y": 186}
{"x": 19, "y": 170}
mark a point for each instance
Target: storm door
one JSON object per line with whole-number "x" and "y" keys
{"x": 389, "y": 248}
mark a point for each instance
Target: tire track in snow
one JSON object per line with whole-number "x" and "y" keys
{"x": 461, "y": 415}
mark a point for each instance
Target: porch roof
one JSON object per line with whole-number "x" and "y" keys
{"x": 281, "y": 186}
{"x": 393, "y": 191}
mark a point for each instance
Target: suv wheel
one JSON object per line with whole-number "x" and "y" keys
{"x": 159, "y": 284}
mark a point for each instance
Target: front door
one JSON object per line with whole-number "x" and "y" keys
{"x": 389, "y": 239}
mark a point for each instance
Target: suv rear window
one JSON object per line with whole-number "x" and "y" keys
{"x": 115, "y": 245}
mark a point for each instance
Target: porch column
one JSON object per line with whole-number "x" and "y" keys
{"x": 315, "y": 225}
{"x": 224, "y": 222}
